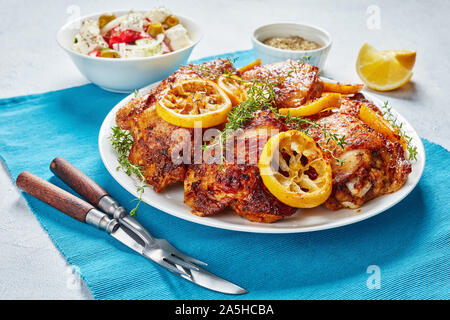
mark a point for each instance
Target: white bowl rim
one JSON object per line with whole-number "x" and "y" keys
{"x": 66, "y": 25}
{"x": 327, "y": 34}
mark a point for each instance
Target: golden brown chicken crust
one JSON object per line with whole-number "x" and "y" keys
{"x": 154, "y": 143}
{"x": 298, "y": 83}
{"x": 373, "y": 165}
{"x": 127, "y": 116}
{"x": 352, "y": 104}
{"x": 155, "y": 140}
{"x": 210, "y": 188}
{"x": 209, "y": 70}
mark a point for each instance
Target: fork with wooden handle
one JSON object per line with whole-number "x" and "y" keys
{"x": 103, "y": 212}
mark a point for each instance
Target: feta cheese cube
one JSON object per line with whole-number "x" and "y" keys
{"x": 89, "y": 38}
{"x": 178, "y": 37}
{"x": 158, "y": 14}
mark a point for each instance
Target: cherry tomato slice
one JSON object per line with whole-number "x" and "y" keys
{"x": 94, "y": 53}
{"x": 125, "y": 36}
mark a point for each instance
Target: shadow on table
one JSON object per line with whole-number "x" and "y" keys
{"x": 406, "y": 92}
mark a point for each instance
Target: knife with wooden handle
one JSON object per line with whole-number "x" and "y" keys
{"x": 114, "y": 219}
{"x": 64, "y": 201}
{"x": 87, "y": 188}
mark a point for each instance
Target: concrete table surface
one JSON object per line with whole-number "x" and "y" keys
{"x": 31, "y": 62}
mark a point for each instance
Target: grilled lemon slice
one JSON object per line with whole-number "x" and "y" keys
{"x": 234, "y": 87}
{"x": 194, "y": 100}
{"x": 294, "y": 170}
{"x": 326, "y": 101}
{"x": 380, "y": 125}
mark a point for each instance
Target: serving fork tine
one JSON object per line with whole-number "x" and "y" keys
{"x": 110, "y": 216}
{"x": 159, "y": 250}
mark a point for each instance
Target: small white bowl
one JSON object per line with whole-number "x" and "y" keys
{"x": 126, "y": 75}
{"x": 269, "y": 54}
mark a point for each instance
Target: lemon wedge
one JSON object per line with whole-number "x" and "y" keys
{"x": 384, "y": 70}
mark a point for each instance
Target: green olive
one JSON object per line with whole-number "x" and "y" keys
{"x": 155, "y": 28}
{"x": 104, "y": 19}
{"x": 108, "y": 53}
{"x": 171, "y": 21}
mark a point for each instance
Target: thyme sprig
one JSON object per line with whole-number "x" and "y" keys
{"x": 295, "y": 66}
{"x": 300, "y": 123}
{"x": 261, "y": 95}
{"x": 122, "y": 142}
{"x": 398, "y": 127}
{"x": 205, "y": 71}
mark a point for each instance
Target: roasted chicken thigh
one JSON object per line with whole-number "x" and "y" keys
{"x": 210, "y": 188}
{"x": 296, "y": 82}
{"x": 371, "y": 164}
{"x": 155, "y": 140}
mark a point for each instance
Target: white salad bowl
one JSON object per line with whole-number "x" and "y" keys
{"x": 126, "y": 75}
{"x": 269, "y": 54}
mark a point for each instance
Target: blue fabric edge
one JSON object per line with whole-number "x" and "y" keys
{"x": 34, "y": 211}
{"x": 44, "y": 226}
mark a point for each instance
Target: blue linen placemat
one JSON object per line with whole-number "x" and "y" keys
{"x": 408, "y": 243}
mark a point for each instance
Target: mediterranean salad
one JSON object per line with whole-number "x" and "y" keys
{"x": 132, "y": 35}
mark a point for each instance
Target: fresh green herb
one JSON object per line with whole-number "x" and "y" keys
{"x": 122, "y": 142}
{"x": 296, "y": 66}
{"x": 260, "y": 95}
{"x": 75, "y": 40}
{"x": 140, "y": 191}
{"x": 397, "y": 126}
{"x": 305, "y": 58}
{"x": 328, "y": 135}
{"x": 136, "y": 92}
{"x": 232, "y": 60}
{"x": 207, "y": 72}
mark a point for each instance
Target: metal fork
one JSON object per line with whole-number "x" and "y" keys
{"x": 111, "y": 217}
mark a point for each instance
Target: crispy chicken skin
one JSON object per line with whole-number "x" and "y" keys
{"x": 210, "y": 188}
{"x": 153, "y": 142}
{"x": 155, "y": 139}
{"x": 298, "y": 83}
{"x": 372, "y": 166}
{"x": 207, "y": 70}
{"x": 352, "y": 104}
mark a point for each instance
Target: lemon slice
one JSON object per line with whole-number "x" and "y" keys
{"x": 342, "y": 88}
{"x": 234, "y": 87}
{"x": 326, "y": 101}
{"x": 380, "y": 125}
{"x": 384, "y": 70}
{"x": 194, "y": 101}
{"x": 294, "y": 170}
{"x": 250, "y": 66}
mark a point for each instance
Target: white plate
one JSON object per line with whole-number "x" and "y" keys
{"x": 320, "y": 218}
